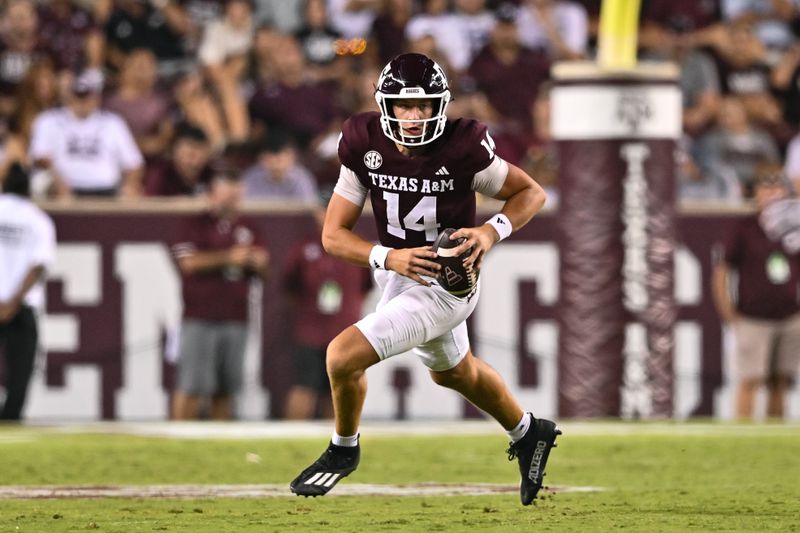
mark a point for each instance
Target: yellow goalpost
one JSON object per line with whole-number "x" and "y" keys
{"x": 617, "y": 35}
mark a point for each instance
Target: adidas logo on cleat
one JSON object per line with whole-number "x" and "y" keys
{"x": 325, "y": 479}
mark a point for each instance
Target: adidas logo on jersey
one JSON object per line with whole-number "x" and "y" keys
{"x": 442, "y": 172}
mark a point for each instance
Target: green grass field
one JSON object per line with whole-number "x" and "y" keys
{"x": 657, "y": 477}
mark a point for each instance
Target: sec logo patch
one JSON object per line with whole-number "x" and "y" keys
{"x": 373, "y": 160}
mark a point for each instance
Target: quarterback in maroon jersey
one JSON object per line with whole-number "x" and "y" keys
{"x": 421, "y": 172}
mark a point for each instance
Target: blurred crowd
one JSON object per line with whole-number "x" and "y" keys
{"x": 127, "y": 98}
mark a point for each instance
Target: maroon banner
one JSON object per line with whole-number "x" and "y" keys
{"x": 114, "y": 288}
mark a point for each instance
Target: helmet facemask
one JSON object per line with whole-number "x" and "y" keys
{"x": 432, "y": 127}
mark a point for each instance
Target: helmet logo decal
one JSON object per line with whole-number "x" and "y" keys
{"x": 373, "y": 160}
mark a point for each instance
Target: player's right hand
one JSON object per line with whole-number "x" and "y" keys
{"x": 413, "y": 263}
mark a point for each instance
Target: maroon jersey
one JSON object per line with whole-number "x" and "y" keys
{"x": 768, "y": 274}
{"x": 328, "y": 293}
{"x": 682, "y": 15}
{"x": 163, "y": 179}
{"x": 215, "y": 294}
{"x": 414, "y": 198}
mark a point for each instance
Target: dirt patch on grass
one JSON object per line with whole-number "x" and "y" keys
{"x": 265, "y": 491}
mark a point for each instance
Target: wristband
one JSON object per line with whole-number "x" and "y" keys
{"x": 501, "y": 225}
{"x": 377, "y": 257}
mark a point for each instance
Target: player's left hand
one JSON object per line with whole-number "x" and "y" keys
{"x": 480, "y": 239}
{"x": 8, "y": 310}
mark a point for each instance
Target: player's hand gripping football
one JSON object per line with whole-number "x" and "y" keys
{"x": 413, "y": 263}
{"x": 480, "y": 239}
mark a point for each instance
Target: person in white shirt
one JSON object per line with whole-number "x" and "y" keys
{"x": 27, "y": 247}
{"x": 559, "y": 26}
{"x": 88, "y": 151}
{"x": 223, "y": 54}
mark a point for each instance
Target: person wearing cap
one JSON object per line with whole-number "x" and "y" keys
{"x": 88, "y": 151}
{"x": 278, "y": 174}
{"x": 326, "y": 295}
{"x": 766, "y": 316}
{"x": 218, "y": 254}
{"x": 27, "y": 248}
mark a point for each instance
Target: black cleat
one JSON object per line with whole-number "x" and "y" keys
{"x": 532, "y": 451}
{"x": 336, "y": 463}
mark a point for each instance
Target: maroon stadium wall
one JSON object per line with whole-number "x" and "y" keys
{"x": 113, "y": 295}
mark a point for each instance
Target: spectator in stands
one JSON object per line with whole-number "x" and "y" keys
{"x": 699, "y": 87}
{"x": 785, "y": 78}
{"x": 144, "y": 108}
{"x": 277, "y": 173}
{"x": 475, "y": 23}
{"x": 285, "y": 16}
{"x": 87, "y": 151}
{"x": 291, "y": 101}
{"x": 772, "y": 20}
{"x": 353, "y": 18}
{"x": 743, "y": 71}
{"x": 509, "y": 74}
{"x": 436, "y": 22}
{"x": 766, "y": 316}
{"x": 318, "y": 40}
{"x": 70, "y": 32}
{"x": 326, "y": 293}
{"x": 223, "y": 54}
{"x": 664, "y": 22}
{"x": 135, "y": 24}
{"x": 735, "y": 146}
{"x": 37, "y": 93}
{"x": 699, "y": 83}
{"x": 27, "y": 247}
{"x": 218, "y": 254}
{"x": 187, "y": 172}
{"x": 704, "y": 184}
{"x": 558, "y": 26}
{"x": 196, "y": 106}
{"x": 389, "y": 30}
{"x": 20, "y": 47}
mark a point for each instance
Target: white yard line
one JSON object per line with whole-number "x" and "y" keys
{"x": 266, "y": 491}
{"x": 322, "y": 429}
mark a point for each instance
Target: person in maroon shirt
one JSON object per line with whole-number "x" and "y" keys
{"x": 327, "y": 296}
{"x": 509, "y": 74}
{"x": 421, "y": 172}
{"x": 71, "y": 33}
{"x": 188, "y": 171}
{"x": 292, "y": 101}
{"x": 218, "y": 253}
{"x": 766, "y": 317}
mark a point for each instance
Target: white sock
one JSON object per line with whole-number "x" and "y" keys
{"x": 350, "y": 442}
{"x": 521, "y": 428}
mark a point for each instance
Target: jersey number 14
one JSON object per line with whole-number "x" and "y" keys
{"x": 421, "y": 218}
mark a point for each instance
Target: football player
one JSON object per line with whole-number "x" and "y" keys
{"x": 421, "y": 172}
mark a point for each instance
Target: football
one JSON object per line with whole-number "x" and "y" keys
{"x": 454, "y": 277}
